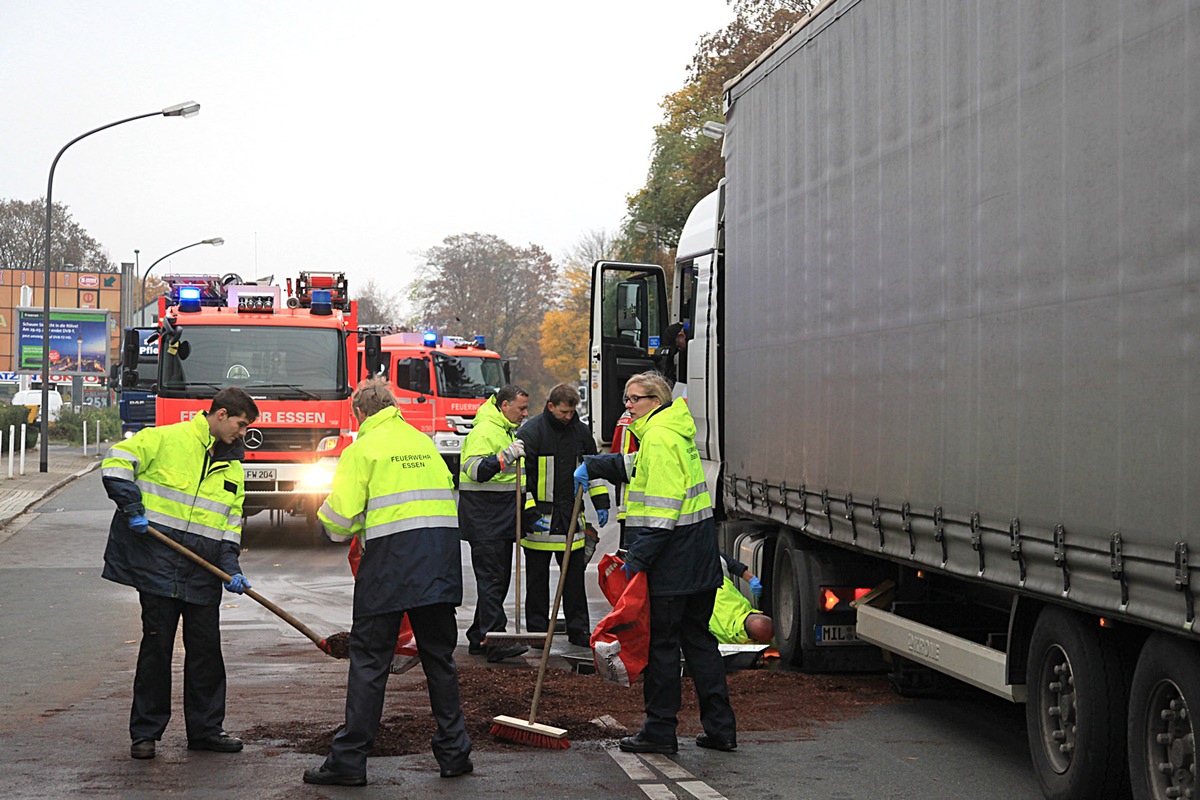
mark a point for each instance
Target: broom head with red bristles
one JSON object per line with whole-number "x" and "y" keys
{"x": 531, "y": 733}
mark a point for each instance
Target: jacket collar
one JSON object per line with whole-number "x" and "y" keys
{"x": 378, "y": 418}
{"x": 489, "y": 412}
{"x": 220, "y": 451}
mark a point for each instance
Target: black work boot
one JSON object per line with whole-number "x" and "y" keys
{"x": 142, "y": 748}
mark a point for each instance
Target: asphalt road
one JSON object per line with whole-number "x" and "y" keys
{"x": 68, "y": 643}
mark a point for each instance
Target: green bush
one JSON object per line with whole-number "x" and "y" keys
{"x": 15, "y": 415}
{"x": 69, "y": 427}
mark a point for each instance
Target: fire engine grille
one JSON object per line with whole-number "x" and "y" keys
{"x": 285, "y": 440}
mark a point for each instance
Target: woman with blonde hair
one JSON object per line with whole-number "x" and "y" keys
{"x": 673, "y": 539}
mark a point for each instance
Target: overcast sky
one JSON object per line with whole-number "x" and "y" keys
{"x": 349, "y": 135}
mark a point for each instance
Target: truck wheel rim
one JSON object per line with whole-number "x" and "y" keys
{"x": 1058, "y": 709}
{"x": 1170, "y": 743}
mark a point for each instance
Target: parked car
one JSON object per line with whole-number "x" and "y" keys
{"x": 32, "y": 399}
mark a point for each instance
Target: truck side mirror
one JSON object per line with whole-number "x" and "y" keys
{"x": 114, "y": 376}
{"x": 372, "y": 347}
{"x": 130, "y": 344}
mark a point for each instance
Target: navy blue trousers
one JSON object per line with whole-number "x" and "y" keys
{"x": 203, "y": 669}
{"x": 491, "y": 562}
{"x": 680, "y": 622}
{"x": 537, "y": 596}
{"x": 372, "y": 645}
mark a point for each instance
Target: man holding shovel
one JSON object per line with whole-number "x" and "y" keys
{"x": 393, "y": 491}
{"x": 187, "y": 480}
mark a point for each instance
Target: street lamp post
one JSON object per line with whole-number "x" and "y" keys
{"x": 642, "y": 227}
{"x": 188, "y": 109}
{"x": 215, "y": 241}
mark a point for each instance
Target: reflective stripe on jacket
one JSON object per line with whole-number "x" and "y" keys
{"x": 188, "y": 495}
{"x": 390, "y": 480}
{"x": 182, "y": 486}
{"x": 553, "y": 449}
{"x": 669, "y": 523}
{"x": 480, "y": 469}
{"x": 668, "y": 486}
{"x": 393, "y": 490}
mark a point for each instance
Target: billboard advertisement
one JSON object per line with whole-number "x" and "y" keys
{"x": 79, "y": 341}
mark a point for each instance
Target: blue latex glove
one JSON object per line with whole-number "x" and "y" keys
{"x": 756, "y": 587}
{"x": 238, "y": 584}
{"x": 542, "y": 524}
{"x": 581, "y": 478}
{"x": 630, "y": 570}
{"x": 602, "y": 516}
{"x": 139, "y": 524}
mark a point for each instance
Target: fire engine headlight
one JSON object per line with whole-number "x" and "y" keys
{"x": 449, "y": 442}
{"x": 317, "y": 477}
{"x": 328, "y": 443}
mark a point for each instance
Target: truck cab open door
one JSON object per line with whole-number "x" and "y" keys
{"x": 629, "y": 314}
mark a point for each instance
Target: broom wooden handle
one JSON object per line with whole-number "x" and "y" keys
{"x": 225, "y": 578}
{"x": 517, "y": 604}
{"x": 558, "y": 593}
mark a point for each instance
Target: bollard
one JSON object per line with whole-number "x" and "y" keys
{"x": 24, "y": 426}
{"x": 85, "y": 438}
{"x": 12, "y": 437}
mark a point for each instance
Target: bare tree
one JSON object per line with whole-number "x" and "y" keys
{"x": 377, "y": 306}
{"x": 22, "y": 239}
{"x": 476, "y": 283}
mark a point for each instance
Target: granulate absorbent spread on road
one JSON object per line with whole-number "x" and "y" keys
{"x": 788, "y": 703}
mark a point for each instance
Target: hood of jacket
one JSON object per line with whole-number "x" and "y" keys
{"x": 378, "y": 418}
{"x": 489, "y": 414}
{"x": 674, "y": 416}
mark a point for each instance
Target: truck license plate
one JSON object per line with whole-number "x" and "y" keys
{"x": 260, "y": 474}
{"x": 836, "y": 634}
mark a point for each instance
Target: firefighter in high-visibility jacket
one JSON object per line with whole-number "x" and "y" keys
{"x": 393, "y": 492}
{"x": 487, "y": 512}
{"x": 555, "y": 444}
{"x": 187, "y": 480}
{"x": 673, "y": 539}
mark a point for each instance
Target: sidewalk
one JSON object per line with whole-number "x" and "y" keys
{"x": 65, "y": 463}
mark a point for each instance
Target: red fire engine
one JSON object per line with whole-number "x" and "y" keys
{"x": 294, "y": 356}
{"x": 441, "y": 386}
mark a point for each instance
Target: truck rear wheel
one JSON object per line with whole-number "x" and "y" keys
{"x": 1075, "y": 709}
{"x": 1164, "y": 696}
{"x": 786, "y": 600}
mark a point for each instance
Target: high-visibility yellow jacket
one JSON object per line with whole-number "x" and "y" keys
{"x": 185, "y": 491}
{"x": 669, "y": 520}
{"x": 728, "y": 620}
{"x": 486, "y": 488}
{"x": 393, "y": 490}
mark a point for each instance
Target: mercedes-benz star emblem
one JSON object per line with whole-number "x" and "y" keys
{"x": 254, "y": 439}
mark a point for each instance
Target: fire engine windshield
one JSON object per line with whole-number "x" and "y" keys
{"x": 467, "y": 376}
{"x": 268, "y": 362}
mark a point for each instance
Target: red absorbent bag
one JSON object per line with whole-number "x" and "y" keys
{"x": 621, "y": 642}
{"x": 406, "y": 656}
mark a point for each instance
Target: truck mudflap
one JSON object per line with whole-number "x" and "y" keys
{"x": 970, "y": 662}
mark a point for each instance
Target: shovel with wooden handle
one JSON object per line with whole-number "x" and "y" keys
{"x": 323, "y": 644}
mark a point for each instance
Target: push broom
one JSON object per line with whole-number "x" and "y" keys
{"x": 531, "y": 732}
{"x": 338, "y": 647}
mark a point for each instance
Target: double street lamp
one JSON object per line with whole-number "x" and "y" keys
{"x": 216, "y": 241}
{"x": 188, "y": 109}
